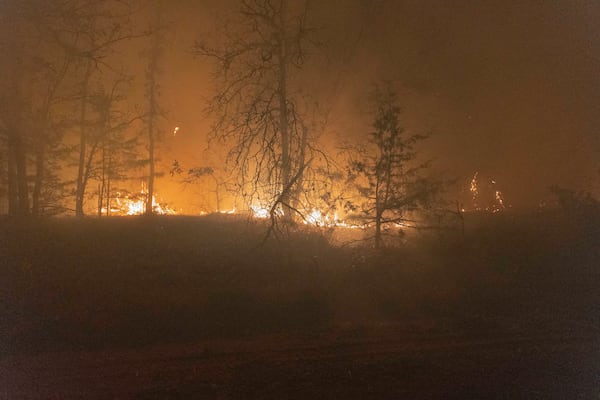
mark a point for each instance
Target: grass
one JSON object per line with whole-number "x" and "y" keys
{"x": 123, "y": 282}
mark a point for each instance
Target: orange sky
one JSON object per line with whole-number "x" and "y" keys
{"x": 511, "y": 90}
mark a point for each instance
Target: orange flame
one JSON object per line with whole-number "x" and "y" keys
{"x": 136, "y": 204}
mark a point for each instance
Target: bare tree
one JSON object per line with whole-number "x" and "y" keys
{"x": 155, "y": 112}
{"x": 257, "y": 106}
{"x": 33, "y": 80}
{"x": 17, "y": 37}
{"x": 98, "y": 26}
{"x": 56, "y": 48}
{"x": 116, "y": 150}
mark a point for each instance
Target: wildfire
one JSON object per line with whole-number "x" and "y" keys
{"x": 135, "y": 204}
{"x": 486, "y": 197}
{"x": 475, "y": 190}
{"x": 138, "y": 207}
{"x": 313, "y": 217}
{"x": 499, "y": 201}
{"x": 259, "y": 211}
{"x": 317, "y": 218}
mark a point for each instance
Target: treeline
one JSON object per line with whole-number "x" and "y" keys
{"x": 68, "y": 130}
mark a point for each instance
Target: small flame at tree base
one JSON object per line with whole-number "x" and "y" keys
{"x": 135, "y": 204}
{"x": 312, "y": 217}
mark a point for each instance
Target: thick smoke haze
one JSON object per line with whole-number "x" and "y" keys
{"x": 299, "y": 199}
{"x": 509, "y": 89}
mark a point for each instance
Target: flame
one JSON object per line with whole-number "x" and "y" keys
{"x": 138, "y": 207}
{"x": 499, "y": 201}
{"x": 487, "y": 198}
{"x": 475, "y": 190}
{"x": 135, "y": 204}
{"x": 260, "y": 211}
{"x": 318, "y": 218}
{"x": 313, "y": 216}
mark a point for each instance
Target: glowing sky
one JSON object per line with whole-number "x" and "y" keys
{"x": 510, "y": 89}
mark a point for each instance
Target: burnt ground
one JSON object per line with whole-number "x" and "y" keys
{"x": 176, "y": 308}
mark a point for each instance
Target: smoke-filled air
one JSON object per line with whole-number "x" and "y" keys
{"x": 299, "y": 198}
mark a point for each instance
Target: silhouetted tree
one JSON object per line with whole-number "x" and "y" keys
{"x": 98, "y": 26}
{"x": 257, "y": 104}
{"x": 34, "y": 98}
{"x": 155, "y": 112}
{"x": 384, "y": 170}
{"x": 114, "y": 153}
{"x": 17, "y": 36}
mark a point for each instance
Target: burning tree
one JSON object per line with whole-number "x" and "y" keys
{"x": 384, "y": 171}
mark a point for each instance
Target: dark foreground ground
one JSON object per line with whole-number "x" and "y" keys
{"x": 175, "y": 308}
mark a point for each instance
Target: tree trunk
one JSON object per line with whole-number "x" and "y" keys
{"x": 21, "y": 164}
{"x": 380, "y": 202}
{"x": 104, "y": 164}
{"x": 17, "y": 159}
{"x": 40, "y": 159}
{"x": 41, "y": 142}
{"x": 283, "y": 113}
{"x": 13, "y": 194}
{"x": 378, "y": 213}
{"x": 378, "y": 230}
{"x": 102, "y": 184}
{"x": 100, "y": 200}
{"x": 217, "y": 193}
{"x": 108, "y": 182}
{"x": 153, "y": 109}
{"x": 301, "y": 167}
{"x": 87, "y": 169}
{"x": 81, "y": 182}
{"x": 150, "y": 194}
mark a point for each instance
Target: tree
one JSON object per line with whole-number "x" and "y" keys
{"x": 56, "y": 48}
{"x": 17, "y": 35}
{"x": 98, "y": 25}
{"x": 152, "y": 96}
{"x": 384, "y": 170}
{"x": 33, "y": 99}
{"x": 257, "y": 106}
{"x": 115, "y": 150}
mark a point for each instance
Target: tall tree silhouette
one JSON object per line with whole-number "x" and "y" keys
{"x": 257, "y": 105}
{"x": 384, "y": 170}
{"x": 152, "y": 96}
{"x": 100, "y": 25}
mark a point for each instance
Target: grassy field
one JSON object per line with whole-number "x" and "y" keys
{"x": 132, "y": 283}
